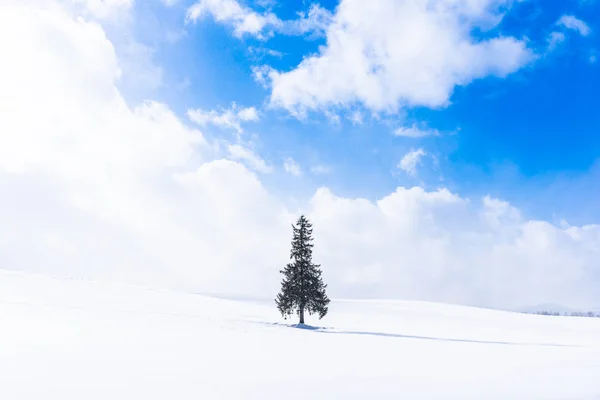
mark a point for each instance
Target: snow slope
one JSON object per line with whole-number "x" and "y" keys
{"x": 69, "y": 339}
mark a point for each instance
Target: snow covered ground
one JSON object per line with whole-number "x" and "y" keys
{"x": 70, "y": 339}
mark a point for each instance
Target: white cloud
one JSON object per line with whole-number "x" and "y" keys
{"x": 438, "y": 246}
{"x": 107, "y": 191}
{"x": 248, "y": 114}
{"x": 230, "y": 118}
{"x": 261, "y": 75}
{"x": 332, "y": 117}
{"x": 246, "y": 21}
{"x": 414, "y": 131}
{"x": 75, "y": 92}
{"x": 498, "y": 213}
{"x": 266, "y": 3}
{"x": 292, "y": 167}
{"x": 94, "y": 188}
{"x": 137, "y": 64}
{"x": 260, "y": 52}
{"x": 140, "y": 76}
{"x": 103, "y": 9}
{"x": 388, "y": 54}
{"x": 411, "y": 161}
{"x": 554, "y": 39}
{"x": 315, "y": 21}
{"x": 243, "y": 19}
{"x": 570, "y": 22}
{"x": 254, "y": 161}
{"x": 356, "y": 118}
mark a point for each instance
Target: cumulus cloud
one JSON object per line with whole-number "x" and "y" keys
{"x": 246, "y": 21}
{"x": 439, "y": 246}
{"x": 388, "y": 54}
{"x": 570, "y": 22}
{"x": 139, "y": 72}
{"x": 230, "y": 118}
{"x": 411, "y": 161}
{"x": 414, "y": 131}
{"x": 94, "y": 188}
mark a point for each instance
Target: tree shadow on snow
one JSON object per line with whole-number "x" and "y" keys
{"x": 396, "y": 335}
{"x": 299, "y": 326}
{"x": 401, "y": 336}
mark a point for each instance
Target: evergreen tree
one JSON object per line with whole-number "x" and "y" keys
{"x": 302, "y": 288}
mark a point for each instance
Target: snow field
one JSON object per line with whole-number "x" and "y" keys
{"x": 70, "y": 339}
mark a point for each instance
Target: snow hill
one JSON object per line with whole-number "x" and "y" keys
{"x": 69, "y": 339}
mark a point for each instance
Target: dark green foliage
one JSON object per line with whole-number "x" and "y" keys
{"x": 302, "y": 288}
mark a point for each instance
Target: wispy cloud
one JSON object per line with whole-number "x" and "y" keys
{"x": 414, "y": 131}
{"x": 262, "y": 75}
{"x": 253, "y": 160}
{"x": 320, "y": 169}
{"x": 246, "y": 21}
{"x": 570, "y": 22}
{"x": 292, "y": 167}
{"x": 261, "y": 52}
{"x": 554, "y": 39}
{"x": 356, "y": 118}
{"x": 229, "y": 118}
{"x": 567, "y": 22}
{"x": 411, "y": 161}
{"x": 243, "y": 19}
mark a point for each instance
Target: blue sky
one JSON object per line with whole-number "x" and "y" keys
{"x": 445, "y": 150}
{"x": 530, "y": 137}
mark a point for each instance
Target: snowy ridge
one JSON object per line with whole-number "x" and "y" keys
{"x": 69, "y": 339}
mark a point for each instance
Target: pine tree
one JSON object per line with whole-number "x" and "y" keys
{"x": 302, "y": 288}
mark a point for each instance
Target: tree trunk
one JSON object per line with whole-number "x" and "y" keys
{"x": 301, "y": 315}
